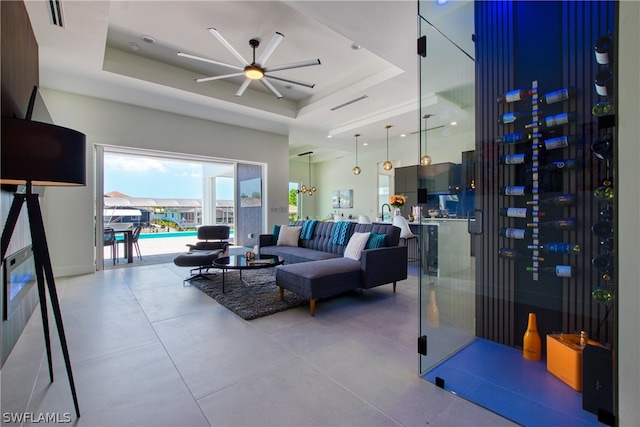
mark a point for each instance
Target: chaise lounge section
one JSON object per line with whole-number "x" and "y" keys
{"x": 321, "y": 260}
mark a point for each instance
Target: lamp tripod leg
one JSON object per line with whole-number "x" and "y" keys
{"x": 43, "y": 263}
{"x": 44, "y": 312}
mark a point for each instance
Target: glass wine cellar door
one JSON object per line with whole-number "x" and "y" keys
{"x": 446, "y": 183}
{"x": 518, "y": 207}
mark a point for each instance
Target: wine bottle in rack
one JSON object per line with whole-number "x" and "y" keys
{"x": 602, "y": 229}
{"x": 556, "y": 224}
{"x": 601, "y": 109}
{"x": 607, "y": 243}
{"x": 557, "y": 248}
{"x": 558, "y": 142}
{"x": 516, "y": 233}
{"x": 513, "y": 138}
{"x": 604, "y": 49}
{"x": 520, "y": 213}
{"x": 516, "y": 190}
{"x": 604, "y": 194}
{"x": 512, "y": 254}
{"x": 558, "y": 95}
{"x": 558, "y": 270}
{"x": 558, "y": 166}
{"x": 606, "y": 213}
{"x": 604, "y": 82}
{"x": 603, "y": 263}
{"x": 517, "y": 159}
{"x": 517, "y": 116}
{"x": 602, "y": 295}
{"x": 514, "y": 95}
{"x": 560, "y": 200}
{"x": 558, "y": 120}
{"x": 603, "y": 147}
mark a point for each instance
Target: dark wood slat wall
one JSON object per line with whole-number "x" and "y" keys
{"x": 494, "y": 71}
{"x": 514, "y": 48}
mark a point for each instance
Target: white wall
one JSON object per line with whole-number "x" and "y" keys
{"x": 628, "y": 298}
{"x": 69, "y": 212}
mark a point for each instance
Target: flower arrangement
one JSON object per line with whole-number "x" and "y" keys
{"x": 398, "y": 200}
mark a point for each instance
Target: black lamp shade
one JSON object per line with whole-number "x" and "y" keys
{"x": 42, "y": 154}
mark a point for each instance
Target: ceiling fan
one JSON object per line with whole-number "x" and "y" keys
{"x": 255, "y": 70}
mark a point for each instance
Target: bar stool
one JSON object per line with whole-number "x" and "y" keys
{"x": 405, "y": 234}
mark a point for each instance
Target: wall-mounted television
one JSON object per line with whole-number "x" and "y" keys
{"x": 251, "y": 193}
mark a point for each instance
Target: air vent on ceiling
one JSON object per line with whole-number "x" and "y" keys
{"x": 349, "y": 103}
{"x": 433, "y": 128}
{"x": 55, "y": 12}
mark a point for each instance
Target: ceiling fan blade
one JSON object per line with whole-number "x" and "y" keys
{"x": 288, "y": 80}
{"x": 208, "y": 79}
{"x": 226, "y": 44}
{"x": 271, "y": 88}
{"x": 243, "y": 87}
{"x": 273, "y": 44}
{"x": 211, "y": 61}
{"x": 293, "y": 65}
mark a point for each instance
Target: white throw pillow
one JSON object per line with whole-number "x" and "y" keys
{"x": 356, "y": 244}
{"x": 289, "y": 236}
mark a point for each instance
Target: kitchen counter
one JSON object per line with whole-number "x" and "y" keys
{"x": 446, "y": 245}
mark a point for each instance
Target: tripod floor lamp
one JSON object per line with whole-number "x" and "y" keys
{"x": 35, "y": 153}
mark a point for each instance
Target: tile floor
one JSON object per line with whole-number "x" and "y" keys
{"x": 147, "y": 351}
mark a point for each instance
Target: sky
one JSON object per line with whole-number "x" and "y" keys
{"x": 151, "y": 177}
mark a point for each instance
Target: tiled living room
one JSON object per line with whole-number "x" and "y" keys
{"x": 148, "y": 351}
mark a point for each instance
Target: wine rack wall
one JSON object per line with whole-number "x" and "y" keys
{"x": 542, "y": 143}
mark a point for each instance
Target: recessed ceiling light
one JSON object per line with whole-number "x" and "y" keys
{"x": 441, "y": 2}
{"x": 134, "y": 47}
{"x": 356, "y": 46}
{"x": 148, "y": 39}
{"x": 453, "y": 123}
{"x": 365, "y": 143}
{"x": 329, "y": 136}
{"x": 402, "y": 135}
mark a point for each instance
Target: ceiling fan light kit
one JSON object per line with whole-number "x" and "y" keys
{"x": 255, "y": 70}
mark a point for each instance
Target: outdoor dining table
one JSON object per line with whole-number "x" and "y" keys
{"x": 126, "y": 229}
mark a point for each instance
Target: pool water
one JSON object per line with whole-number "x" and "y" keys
{"x": 173, "y": 234}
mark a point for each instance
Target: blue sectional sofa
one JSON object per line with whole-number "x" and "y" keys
{"x": 317, "y": 268}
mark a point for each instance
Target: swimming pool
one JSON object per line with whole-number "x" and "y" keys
{"x": 173, "y": 234}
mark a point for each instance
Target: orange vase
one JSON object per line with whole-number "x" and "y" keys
{"x": 531, "y": 343}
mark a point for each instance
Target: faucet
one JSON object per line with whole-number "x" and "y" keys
{"x": 382, "y": 210}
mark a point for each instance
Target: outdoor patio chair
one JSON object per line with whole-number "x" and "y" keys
{"x": 110, "y": 240}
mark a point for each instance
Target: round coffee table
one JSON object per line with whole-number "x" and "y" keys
{"x": 240, "y": 262}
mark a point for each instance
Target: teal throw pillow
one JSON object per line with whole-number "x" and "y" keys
{"x": 376, "y": 241}
{"x": 275, "y": 234}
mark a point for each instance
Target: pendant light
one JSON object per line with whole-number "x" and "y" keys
{"x": 356, "y": 168}
{"x": 387, "y": 165}
{"x": 304, "y": 189}
{"x": 425, "y": 160}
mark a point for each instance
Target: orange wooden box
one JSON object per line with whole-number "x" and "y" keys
{"x": 564, "y": 358}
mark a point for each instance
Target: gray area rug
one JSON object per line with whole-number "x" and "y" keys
{"x": 258, "y": 298}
